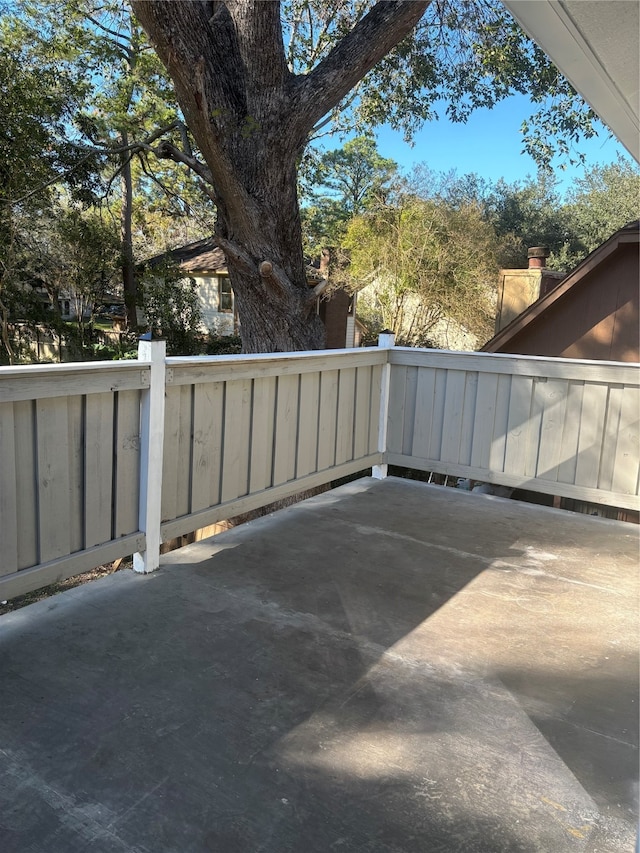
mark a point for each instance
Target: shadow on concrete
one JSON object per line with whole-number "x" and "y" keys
{"x": 341, "y": 676}
{"x": 591, "y": 721}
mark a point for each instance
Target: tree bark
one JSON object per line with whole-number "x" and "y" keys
{"x": 251, "y": 118}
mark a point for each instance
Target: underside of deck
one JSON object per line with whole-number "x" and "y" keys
{"x": 389, "y": 666}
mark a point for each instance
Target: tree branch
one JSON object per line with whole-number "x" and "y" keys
{"x": 388, "y": 22}
{"x": 134, "y": 146}
{"x": 200, "y": 51}
{"x": 166, "y": 151}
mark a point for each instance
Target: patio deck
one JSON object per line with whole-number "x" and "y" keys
{"x": 390, "y": 666}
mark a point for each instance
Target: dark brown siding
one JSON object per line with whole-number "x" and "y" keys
{"x": 334, "y": 312}
{"x": 596, "y": 320}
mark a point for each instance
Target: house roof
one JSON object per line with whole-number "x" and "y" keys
{"x": 629, "y": 234}
{"x": 596, "y": 46}
{"x": 205, "y": 256}
{"x": 199, "y": 256}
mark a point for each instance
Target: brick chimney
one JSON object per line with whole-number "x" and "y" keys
{"x": 538, "y": 257}
{"x": 517, "y": 289}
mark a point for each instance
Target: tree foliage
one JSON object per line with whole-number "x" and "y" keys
{"x": 340, "y": 184}
{"x": 254, "y": 82}
{"x": 172, "y": 308}
{"x": 257, "y": 80}
{"x": 425, "y": 267}
{"x": 604, "y": 200}
{"x": 462, "y": 54}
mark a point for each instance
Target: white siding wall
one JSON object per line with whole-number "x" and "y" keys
{"x": 213, "y": 320}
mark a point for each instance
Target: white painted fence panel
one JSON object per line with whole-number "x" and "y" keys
{"x": 557, "y": 426}
{"x": 242, "y": 431}
{"x": 69, "y": 469}
{"x": 281, "y": 424}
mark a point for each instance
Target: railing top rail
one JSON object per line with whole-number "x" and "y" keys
{"x": 247, "y": 358}
{"x": 223, "y": 368}
{"x": 25, "y": 371}
{"x": 627, "y": 373}
{"x": 39, "y": 381}
{"x": 510, "y": 356}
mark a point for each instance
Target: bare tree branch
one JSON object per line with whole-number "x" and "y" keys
{"x": 166, "y": 151}
{"x": 355, "y": 54}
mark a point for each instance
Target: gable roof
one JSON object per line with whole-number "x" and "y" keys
{"x": 629, "y": 234}
{"x": 205, "y": 256}
{"x": 200, "y": 255}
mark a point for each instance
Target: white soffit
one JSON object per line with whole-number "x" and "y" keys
{"x": 596, "y": 45}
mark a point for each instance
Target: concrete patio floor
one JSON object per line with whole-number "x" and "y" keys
{"x": 390, "y": 666}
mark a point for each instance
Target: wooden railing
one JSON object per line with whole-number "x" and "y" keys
{"x": 558, "y": 426}
{"x": 98, "y": 461}
{"x": 244, "y": 431}
{"x": 69, "y": 469}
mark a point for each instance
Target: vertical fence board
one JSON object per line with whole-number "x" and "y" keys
{"x": 76, "y": 473}
{"x": 533, "y": 428}
{"x": 207, "y": 444}
{"x": 184, "y": 460}
{"x": 374, "y": 418}
{"x": 363, "y": 412}
{"x": 517, "y": 439}
{"x": 453, "y": 411}
{"x": 395, "y": 420}
{"x": 176, "y": 457}
{"x": 127, "y": 451}
{"x": 285, "y": 439}
{"x": 592, "y": 422}
{"x": 627, "y": 459}
{"x": 171, "y": 452}
{"x": 409, "y": 414}
{"x": 237, "y": 427}
{"x": 468, "y": 417}
{"x": 262, "y": 431}
{"x": 570, "y": 433}
{"x": 98, "y": 468}
{"x": 552, "y": 396}
{"x": 25, "y": 484}
{"x": 53, "y": 477}
{"x": 483, "y": 420}
{"x": 345, "y": 416}
{"x": 500, "y": 424}
{"x": 609, "y": 439}
{"x": 327, "y": 420}
{"x": 423, "y": 414}
{"x": 8, "y": 503}
{"x": 308, "y": 429}
{"x": 437, "y": 421}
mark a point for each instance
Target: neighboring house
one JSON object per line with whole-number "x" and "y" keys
{"x": 592, "y": 313}
{"x": 206, "y": 265}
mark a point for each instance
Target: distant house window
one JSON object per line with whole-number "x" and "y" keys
{"x": 225, "y": 295}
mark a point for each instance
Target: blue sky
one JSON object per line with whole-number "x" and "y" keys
{"x": 489, "y": 144}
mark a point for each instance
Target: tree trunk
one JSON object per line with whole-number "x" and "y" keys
{"x": 251, "y": 118}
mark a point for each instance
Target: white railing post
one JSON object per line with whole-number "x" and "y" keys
{"x": 386, "y": 340}
{"x": 151, "y": 452}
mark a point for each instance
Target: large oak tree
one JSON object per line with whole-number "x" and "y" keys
{"x": 252, "y": 97}
{"x": 251, "y": 118}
